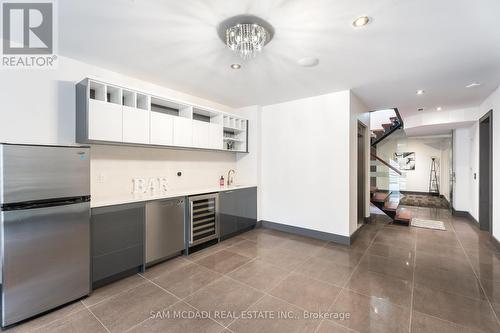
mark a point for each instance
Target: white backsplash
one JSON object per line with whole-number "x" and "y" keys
{"x": 113, "y": 168}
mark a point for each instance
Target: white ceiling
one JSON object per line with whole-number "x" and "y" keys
{"x": 436, "y": 45}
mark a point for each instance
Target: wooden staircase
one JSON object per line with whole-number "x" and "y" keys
{"x": 387, "y": 201}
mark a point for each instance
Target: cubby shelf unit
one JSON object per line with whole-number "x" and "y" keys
{"x": 111, "y": 114}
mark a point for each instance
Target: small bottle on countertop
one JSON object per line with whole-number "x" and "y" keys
{"x": 221, "y": 181}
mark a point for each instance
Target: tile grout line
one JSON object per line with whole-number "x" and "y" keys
{"x": 148, "y": 318}
{"x": 413, "y": 281}
{"x": 55, "y": 320}
{"x": 477, "y": 277}
{"x": 179, "y": 300}
{"x": 347, "y": 282}
{"x": 118, "y": 293}
{"x": 93, "y": 314}
{"x": 265, "y": 293}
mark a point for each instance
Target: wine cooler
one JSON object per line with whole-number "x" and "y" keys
{"x": 203, "y": 211}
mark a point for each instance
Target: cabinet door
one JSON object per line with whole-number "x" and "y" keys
{"x": 105, "y": 121}
{"x": 201, "y": 132}
{"x": 183, "y": 132}
{"x": 228, "y": 213}
{"x": 162, "y": 129}
{"x": 216, "y": 139}
{"x": 247, "y": 207}
{"x": 117, "y": 239}
{"x": 135, "y": 125}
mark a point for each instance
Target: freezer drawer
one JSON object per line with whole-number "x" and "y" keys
{"x": 164, "y": 229}
{"x": 30, "y": 173}
{"x": 46, "y": 259}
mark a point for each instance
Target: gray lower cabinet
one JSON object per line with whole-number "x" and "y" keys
{"x": 237, "y": 211}
{"x": 117, "y": 241}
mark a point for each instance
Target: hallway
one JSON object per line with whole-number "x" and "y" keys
{"x": 450, "y": 279}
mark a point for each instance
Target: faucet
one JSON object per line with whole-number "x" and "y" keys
{"x": 230, "y": 179}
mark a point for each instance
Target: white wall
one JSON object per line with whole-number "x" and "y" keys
{"x": 358, "y": 112}
{"x": 446, "y": 170}
{"x": 425, "y": 148}
{"x": 114, "y": 167}
{"x": 249, "y": 165}
{"x": 462, "y": 194}
{"x": 453, "y": 117}
{"x": 308, "y": 166}
{"x": 493, "y": 103}
{"x": 38, "y": 106}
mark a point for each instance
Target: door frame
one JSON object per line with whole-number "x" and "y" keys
{"x": 452, "y": 169}
{"x": 364, "y": 129}
{"x": 488, "y": 116}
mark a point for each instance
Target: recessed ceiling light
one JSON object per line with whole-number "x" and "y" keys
{"x": 420, "y": 92}
{"x": 473, "y": 84}
{"x": 361, "y": 21}
{"x": 308, "y": 62}
{"x": 439, "y": 108}
{"x": 235, "y": 66}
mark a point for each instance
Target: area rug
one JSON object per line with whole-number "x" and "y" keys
{"x": 429, "y": 224}
{"x": 423, "y": 200}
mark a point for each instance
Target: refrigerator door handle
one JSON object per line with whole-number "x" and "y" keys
{"x": 44, "y": 203}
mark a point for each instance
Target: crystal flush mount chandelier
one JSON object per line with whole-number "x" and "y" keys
{"x": 245, "y": 34}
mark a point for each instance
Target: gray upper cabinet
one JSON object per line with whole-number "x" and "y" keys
{"x": 237, "y": 211}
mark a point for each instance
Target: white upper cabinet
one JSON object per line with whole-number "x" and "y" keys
{"x": 108, "y": 113}
{"x": 215, "y": 136}
{"x": 162, "y": 129}
{"x": 201, "y": 134}
{"x": 135, "y": 125}
{"x": 105, "y": 115}
{"x": 183, "y": 132}
{"x": 135, "y": 118}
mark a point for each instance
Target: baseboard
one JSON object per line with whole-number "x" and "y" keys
{"x": 355, "y": 234}
{"x": 415, "y": 192}
{"x": 344, "y": 240}
{"x": 495, "y": 242}
{"x": 467, "y": 215}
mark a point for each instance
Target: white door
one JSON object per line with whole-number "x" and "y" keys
{"x": 201, "y": 134}
{"x": 105, "y": 121}
{"x": 135, "y": 125}
{"x": 183, "y": 132}
{"x": 216, "y": 139}
{"x": 162, "y": 129}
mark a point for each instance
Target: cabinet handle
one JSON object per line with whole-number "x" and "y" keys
{"x": 229, "y": 192}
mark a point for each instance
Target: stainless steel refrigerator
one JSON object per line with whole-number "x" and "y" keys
{"x": 45, "y": 228}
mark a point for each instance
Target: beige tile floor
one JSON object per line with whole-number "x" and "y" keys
{"x": 392, "y": 279}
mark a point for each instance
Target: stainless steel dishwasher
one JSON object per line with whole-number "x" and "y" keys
{"x": 164, "y": 229}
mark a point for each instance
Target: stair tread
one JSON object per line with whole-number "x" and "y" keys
{"x": 380, "y": 196}
{"x": 403, "y": 215}
{"x": 391, "y": 205}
